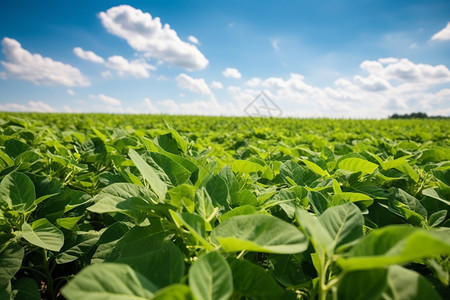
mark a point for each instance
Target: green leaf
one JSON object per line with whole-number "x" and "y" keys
{"x": 43, "y": 234}
{"x": 434, "y": 193}
{"x": 176, "y": 172}
{"x": 162, "y": 264}
{"x": 406, "y": 284}
{"x": 244, "y": 166}
{"x": 253, "y": 282}
{"x": 14, "y": 147}
{"x": 259, "y": 233}
{"x": 109, "y": 281}
{"x": 396, "y": 244}
{"x": 149, "y": 174}
{"x": 77, "y": 247}
{"x": 344, "y": 223}
{"x": 357, "y": 165}
{"x": 108, "y": 240}
{"x": 315, "y": 168}
{"x": 353, "y": 197}
{"x": 336, "y": 227}
{"x": 437, "y": 218}
{"x": 10, "y": 262}
{"x": 395, "y": 282}
{"x": 210, "y": 277}
{"x": 181, "y": 142}
{"x": 26, "y": 289}
{"x": 17, "y": 190}
{"x": 174, "y": 292}
{"x": 195, "y": 224}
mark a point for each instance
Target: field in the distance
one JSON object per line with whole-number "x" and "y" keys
{"x": 98, "y": 206}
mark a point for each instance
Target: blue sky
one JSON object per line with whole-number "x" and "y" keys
{"x": 358, "y": 59}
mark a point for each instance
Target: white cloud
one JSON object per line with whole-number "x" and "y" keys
{"x": 88, "y": 55}
{"x": 149, "y": 107}
{"x": 137, "y": 68}
{"x": 216, "y": 85}
{"x": 390, "y": 86}
{"x": 31, "y": 106}
{"x": 106, "y": 99}
{"x": 70, "y": 92}
{"x": 275, "y": 44}
{"x": 442, "y": 35}
{"x": 37, "y": 69}
{"x": 232, "y": 73}
{"x": 193, "y": 39}
{"x": 210, "y": 107}
{"x": 195, "y": 85}
{"x": 106, "y": 74}
{"x": 147, "y": 35}
{"x": 372, "y": 83}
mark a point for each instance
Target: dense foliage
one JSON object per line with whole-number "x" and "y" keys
{"x": 130, "y": 207}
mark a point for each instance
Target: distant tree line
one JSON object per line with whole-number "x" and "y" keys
{"x": 416, "y": 115}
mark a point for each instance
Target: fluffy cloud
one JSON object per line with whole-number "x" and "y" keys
{"x": 210, "y": 107}
{"x": 149, "y": 107}
{"x": 442, "y": 35}
{"x": 88, "y": 55}
{"x": 216, "y": 85}
{"x": 70, "y": 92}
{"x": 405, "y": 71}
{"x": 390, "y": 86}
{"x": 146, "y": 34}
{"x": 37, "y": 69}
{"x": 31, "y": 106}
{"x": 232, "y": 73}
{"x": 106, "y": 99}
{"x": 136, "y": 68}
{"x": 193, "y": 39}
{"x": 195, "y": 85}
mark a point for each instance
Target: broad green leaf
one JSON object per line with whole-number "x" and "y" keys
{"x": 210, "y": 277}
{"x": 218, "y": 191}
{"x": 15, "y": 147}
{"x": 353, "y": 197}
{"x": 17, "y": 191}
{"x": 357, "y": 165}
{"x": 174, "y": 292}
{"x": 396, "y": 244}
{"x": 437, "y": 218}
{"x": 434, "y": 193}
{"x": 147, "y": 253}
{"x": 109, "y": 281}
{"x": 126, "y": 198}
{"x": 162, "y": 264}
{"x": 196, "y": 226}
{"x": 43, "y": 234}
{"x": 244, "y": 166}
{"x": 183, "y": 195}
{"x": 149, "y": 174}
{"x": 77, "y": 247}
{"x": 108, "y": 240}
{"x": 317, "y": 234}
{"x": 292, "y": 170}
{"x": 336, "y": 227}
{"x": 259, "y": 233}
{"x": 253, "y": 282}
{"x": 407, "y": 284}
{"x": 344, "y": 223}
{"x": 315, "y": 168}
{"x": 10, "y": 262}
{"x": 26, "y": 289}
{"x": 181, "y": 142}
{"x": 238, "y": 211}
{"x": 175, "y": 171}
